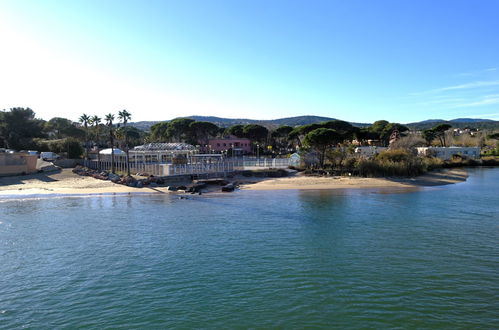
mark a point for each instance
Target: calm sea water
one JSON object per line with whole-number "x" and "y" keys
{"x": 290, "y": 259}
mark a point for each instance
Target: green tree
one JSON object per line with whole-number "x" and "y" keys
{"x": 69, "y": 146}
{"x": 85, "y": 120}
{"x": 429, "y": 135}
{"x": 18, "y": 127}
{"x": 345, "y": 129}
{"x": 159, "y": 132}
{"x": 256, "y": 132}
{"x": 440, "y": 133}
{"x": 321, "y": 139}
{"x": 203, "y": 130}
{"x": 109, "y": 122}
{"x": 62, "y": 127}
{"x": 96, "y": 121}
{"x": 236, "y": 130}
{"x": 280, "y": 137}
{"x": 125, "y": 116}
{"x": 180, "y": 131}
{"x": 389, "y": 129}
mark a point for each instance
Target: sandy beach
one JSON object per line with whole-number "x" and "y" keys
{"x": 318, "y": 183}
{"x": 64, "y": 182}
{"x": 67, "y": 183}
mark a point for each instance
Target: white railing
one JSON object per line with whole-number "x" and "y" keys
{"x": 161, "y": 169}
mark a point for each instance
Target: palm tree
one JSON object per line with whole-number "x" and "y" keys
{"x": 85, "y": 120}
{"x": 109, "y": 122}
{"x": 125, "y": 116}
{"x": 96, "y": 120}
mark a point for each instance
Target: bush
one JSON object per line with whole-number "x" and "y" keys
{"x": 69, "y": 146}
{"x": 392, "y": 163}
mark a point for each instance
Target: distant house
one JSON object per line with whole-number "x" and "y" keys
{"x": 448, "y": 152}
{"x": 240, "y": 146}
{"x": 17, "y": 163}
{"x": 369, "y": 151}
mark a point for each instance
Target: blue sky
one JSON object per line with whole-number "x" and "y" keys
{"x": 360, "y": 61}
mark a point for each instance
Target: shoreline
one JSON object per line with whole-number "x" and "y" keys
{"x": 300, "y": 182}
{"x": 66, "y": 183}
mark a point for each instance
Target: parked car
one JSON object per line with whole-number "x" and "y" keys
{"x": 49, "y": 156}
{"x": 29, "y": 152}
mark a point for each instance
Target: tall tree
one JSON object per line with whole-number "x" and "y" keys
{"x": 429, "y": 135}
{"x": 179, "y": 130}
{"x": 321, "y": 139}
{"x": 236, "y": 130}
{"x": 18, "y": 127}
{"x": 345, "y": 129}
{"x": 62, "y": 127}
{"x": 96, "y": 121}
{"x": 256, "y": 132}
{"x": 85, "y": 120}
{"x": 125, "y": 116}
{"x": 280, "y": 137}
{"x": 203, "y": 130}
{"x": 440, "y": 133}
{"x": 159, "y": 132}
{"x": 109, "y": 122}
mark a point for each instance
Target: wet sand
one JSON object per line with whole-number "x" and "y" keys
{"x": 67, "y": 183}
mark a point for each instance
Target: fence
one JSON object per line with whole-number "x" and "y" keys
{"x": 162, "y": 169}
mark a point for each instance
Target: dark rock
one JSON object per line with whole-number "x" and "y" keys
{"x": 229, "y": 187}
{"x": 196, "y": 187}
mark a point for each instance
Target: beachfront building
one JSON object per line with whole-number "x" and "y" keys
{"x": 17, "y": 163}
{"x": 168, "y": 153}
{"x": 237, "y": 146}
{"x": 368, "y": 151}
{"x": 446, "y": 153}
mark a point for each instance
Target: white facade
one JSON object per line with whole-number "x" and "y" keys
{"x": 447, "y": 152}
{"x": 369, "y": 151}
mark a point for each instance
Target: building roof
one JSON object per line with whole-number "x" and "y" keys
{"x": 164, "y": 147}
{"x": 117, "y": 152}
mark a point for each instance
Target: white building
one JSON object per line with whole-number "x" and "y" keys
{"x": 447, "y": 152}
{"x": 368, "y": 151}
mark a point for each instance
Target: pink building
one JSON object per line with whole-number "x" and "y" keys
{"x": 239, "y": 145}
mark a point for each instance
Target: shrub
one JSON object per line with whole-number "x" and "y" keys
{"x": 69, "y": 146}
{"x": 391, "y": 163}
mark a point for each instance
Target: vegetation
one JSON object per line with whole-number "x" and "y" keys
{"x": 327, "y": 145}
{"x": 321, "y": 139}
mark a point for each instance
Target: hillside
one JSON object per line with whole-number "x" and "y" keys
{"x": 227, "y": 122}
{"x": 483, "y": 124}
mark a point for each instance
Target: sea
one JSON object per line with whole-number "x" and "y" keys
{"x": 360, "y": 258}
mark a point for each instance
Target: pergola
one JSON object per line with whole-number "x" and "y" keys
{"x": 163, "y": 153}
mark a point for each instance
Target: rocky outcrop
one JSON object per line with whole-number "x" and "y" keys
{"x": 130, "y": 181}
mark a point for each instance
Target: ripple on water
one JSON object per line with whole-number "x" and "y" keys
{"x": 254, "y": 260}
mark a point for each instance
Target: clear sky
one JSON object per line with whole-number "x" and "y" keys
{"x": 355, "y": 60}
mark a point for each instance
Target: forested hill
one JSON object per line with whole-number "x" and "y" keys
{"x": 227, "y": 122}
{"x": 482, "y": 124}
{"x": 304, "y": 120}
{"x": 290, "y": 121}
